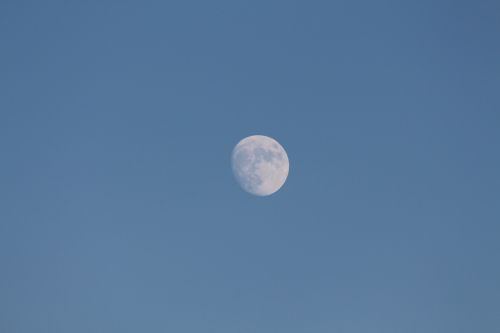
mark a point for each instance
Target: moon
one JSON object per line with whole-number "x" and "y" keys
{"x": 260, "y": 165}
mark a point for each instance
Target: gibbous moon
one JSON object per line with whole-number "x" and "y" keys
{"x": 260, "y": 165}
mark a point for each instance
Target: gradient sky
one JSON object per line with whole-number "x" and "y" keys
{"x": 119, "y": 211}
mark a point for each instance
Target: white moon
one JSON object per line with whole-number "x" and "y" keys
{"x": 260, "y": 165}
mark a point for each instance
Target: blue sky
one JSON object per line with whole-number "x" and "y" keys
{"x": 119, "y": 211}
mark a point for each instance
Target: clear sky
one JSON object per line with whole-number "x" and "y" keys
{"x": 119, "y": 211}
